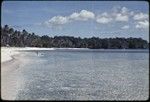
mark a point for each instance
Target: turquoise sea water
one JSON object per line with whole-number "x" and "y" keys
{"x": 85, "y": 75}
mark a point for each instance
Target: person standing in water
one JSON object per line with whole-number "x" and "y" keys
{"x": 37, "y": 53}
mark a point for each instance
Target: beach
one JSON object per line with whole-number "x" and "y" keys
{"x": 8, "y": 52}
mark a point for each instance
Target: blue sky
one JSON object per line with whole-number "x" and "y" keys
{"x": 79, "y": 18}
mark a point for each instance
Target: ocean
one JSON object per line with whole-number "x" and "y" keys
{"x": 73, "y": 74}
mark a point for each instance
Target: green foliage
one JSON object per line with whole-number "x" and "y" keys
{"x": 25, "y": 39}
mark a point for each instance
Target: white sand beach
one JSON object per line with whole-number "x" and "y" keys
{"x": 8, "y": 52}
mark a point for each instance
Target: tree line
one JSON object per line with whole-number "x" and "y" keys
{"x": 14, "y": 38}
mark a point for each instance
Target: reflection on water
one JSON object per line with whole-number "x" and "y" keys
{"x": 78, "y": 75}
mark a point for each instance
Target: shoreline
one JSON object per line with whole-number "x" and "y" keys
{"x": 8, "y": 52}
{"x": 9, "y": 82}
{"x": 11, "y": 76}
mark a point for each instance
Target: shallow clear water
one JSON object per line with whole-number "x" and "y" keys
{"x": 85, "y": 75}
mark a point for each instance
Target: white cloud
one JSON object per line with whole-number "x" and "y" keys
{"x": 125, "y": 27}
{"x": 142, "y": 24}
{"x": 58, "y": 20}
{"x": 118, "y": 14}
{"x": 140, "y": 16}
{"x": 74, "y": 16}
{"x": 121, "y": 14}
{"x": 121, "y": 17}
{"x": 84, "y": 15}
{"x": 104, "y": 18}
{"x": 124, "y": 10}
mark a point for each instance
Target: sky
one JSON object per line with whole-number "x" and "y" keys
{"x": 102, "y": 19}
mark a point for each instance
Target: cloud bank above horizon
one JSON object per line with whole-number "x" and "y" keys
{"x": 141, "y": 20}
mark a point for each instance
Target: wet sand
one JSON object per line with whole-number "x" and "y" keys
{"x": 11, "y": 79}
